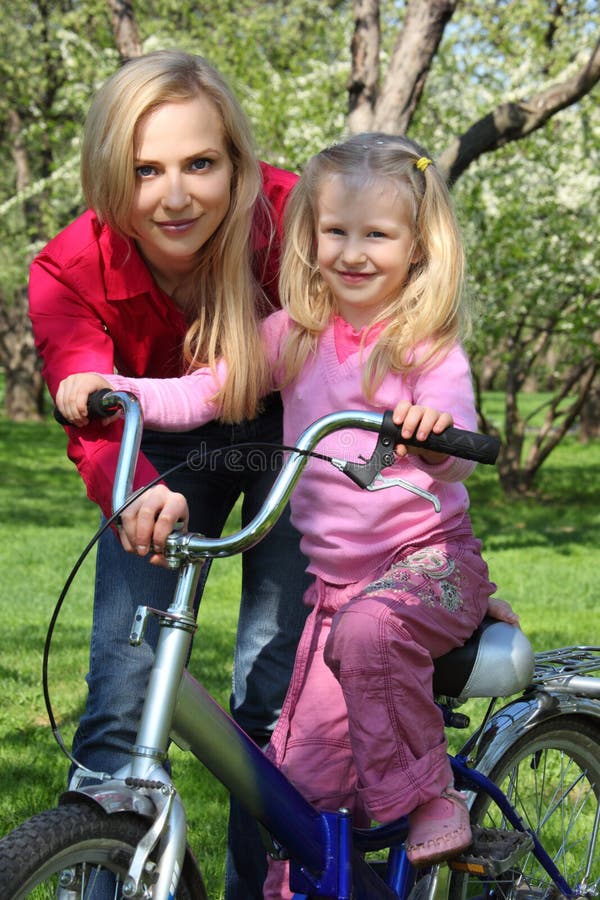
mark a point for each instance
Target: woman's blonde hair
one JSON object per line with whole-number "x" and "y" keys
{"x": 429, "y": 313}
{"x": 221, "y": 295}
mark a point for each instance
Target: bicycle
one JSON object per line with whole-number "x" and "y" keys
{"x": 531, "y": 768}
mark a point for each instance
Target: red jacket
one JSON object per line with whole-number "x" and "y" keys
{"x": 94, "y": 307}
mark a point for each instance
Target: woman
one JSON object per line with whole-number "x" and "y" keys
{"x": 182, "y": 228}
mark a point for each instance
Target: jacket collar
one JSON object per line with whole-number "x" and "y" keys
{"x": 125, "y": 273}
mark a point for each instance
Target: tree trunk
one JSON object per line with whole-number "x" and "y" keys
{"x": 24, "y": 386}
{"x": 411, "y": 60}
{"x": 125, "y": 30}
{"x": 23, "y": 383}
{"x": 589, "y": 429}
{"x": 364, "y": 76}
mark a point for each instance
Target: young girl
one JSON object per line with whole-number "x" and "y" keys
{"x": 373, "y": 317}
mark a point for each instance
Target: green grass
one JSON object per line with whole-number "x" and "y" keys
{"x": 45, "y": 523}
{"x": 543, "y": 554}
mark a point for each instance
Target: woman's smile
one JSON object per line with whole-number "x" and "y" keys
{"x": 177, "y": 226}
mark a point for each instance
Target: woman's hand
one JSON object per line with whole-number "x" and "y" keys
{"x": 420, "y": 421}
{"x": 72, "y": 397}
{"x": 148, "y": 521}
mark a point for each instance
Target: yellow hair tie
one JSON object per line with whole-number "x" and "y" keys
{"x": 422, "y": 163}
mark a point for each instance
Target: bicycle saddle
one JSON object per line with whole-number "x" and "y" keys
{"x": 496, "y": 661}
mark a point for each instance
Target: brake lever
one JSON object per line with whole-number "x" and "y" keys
{"x": 367, "y": 474}
{"x": 380, "y": 483}
{"x": 364, "y": 473}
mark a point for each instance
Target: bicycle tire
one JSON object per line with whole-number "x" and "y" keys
{"x": 551, "y": 776}
{"x": 79, "y": 841}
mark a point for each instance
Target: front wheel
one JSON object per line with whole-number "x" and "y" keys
{"x": 552, "y": 778}
{"x": 78, "y": 851}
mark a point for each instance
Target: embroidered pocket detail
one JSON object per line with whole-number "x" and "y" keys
{"x": 439, "y": 582}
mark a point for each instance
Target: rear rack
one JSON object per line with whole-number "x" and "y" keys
{"x": 563, "y": 669}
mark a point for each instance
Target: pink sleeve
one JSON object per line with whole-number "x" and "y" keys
{"x": 174, "y": 404}
{"x": 448, "y": 387}
{"x": 180, "y": 404}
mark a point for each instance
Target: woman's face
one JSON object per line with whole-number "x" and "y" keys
{"x": 183, "y": 185}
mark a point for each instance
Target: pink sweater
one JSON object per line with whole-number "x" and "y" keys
{"x": 346, "y": 532}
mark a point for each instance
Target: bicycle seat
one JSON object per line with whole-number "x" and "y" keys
{"x": 496, "y": 661}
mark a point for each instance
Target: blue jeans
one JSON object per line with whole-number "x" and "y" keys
{"x": 270, "y": 620}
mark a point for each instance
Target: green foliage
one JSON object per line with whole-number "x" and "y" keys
{"x": 54, "y": 56}
{"x": 288, "y": 62}
{"x": 529, "y": 210}
{"x": 534, "y": 252}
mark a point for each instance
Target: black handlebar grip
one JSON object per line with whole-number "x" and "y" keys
{"x": 95, "y": 407}
{"x": 482, "y": 448}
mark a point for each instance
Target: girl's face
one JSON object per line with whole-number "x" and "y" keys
{"x": 365, "y": 245}
{"x": 183, "y": 185}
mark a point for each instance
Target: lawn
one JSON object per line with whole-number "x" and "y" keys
{"x": 542, "y": 552}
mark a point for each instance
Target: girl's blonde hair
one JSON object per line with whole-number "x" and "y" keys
{"x": 429, "y": 313}
{"x": 221, "y": 295}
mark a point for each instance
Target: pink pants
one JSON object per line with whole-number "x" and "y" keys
{"x": 359, "y": 727}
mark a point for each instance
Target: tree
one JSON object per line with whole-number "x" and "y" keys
{"x": 393, "y": 106}
{"x": 49, "y": 62}
{"x": 490, "y": 87}
{"x": 125, "y": 29}
{"x": 535, "y": 266}
{"x": 527, "y": 332}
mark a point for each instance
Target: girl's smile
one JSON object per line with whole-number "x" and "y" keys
{"x": 365, "y": 245}
{"x": 354, "y": 277}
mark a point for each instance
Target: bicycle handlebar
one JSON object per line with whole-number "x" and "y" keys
{"x": 97, "y": 407}
{"x": 453, "y": 441}
{"x": 102, "y": 404}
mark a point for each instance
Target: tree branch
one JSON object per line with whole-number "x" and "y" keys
{"x": 514, "y": 120}
{"x": 551, "y": 434}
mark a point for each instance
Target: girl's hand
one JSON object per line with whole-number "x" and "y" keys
{"x": 420, "y": 421}
{"x": 148, "y": 521}
{"x": 502, "y": 610}
{"x": 72, "y": 397}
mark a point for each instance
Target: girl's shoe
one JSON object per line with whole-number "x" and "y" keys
{"x": 439, "y": 829}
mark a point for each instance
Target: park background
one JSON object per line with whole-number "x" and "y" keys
{"x": 504, "y": 94}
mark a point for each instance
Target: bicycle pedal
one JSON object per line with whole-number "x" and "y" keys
{"x": 492, "y": 852}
